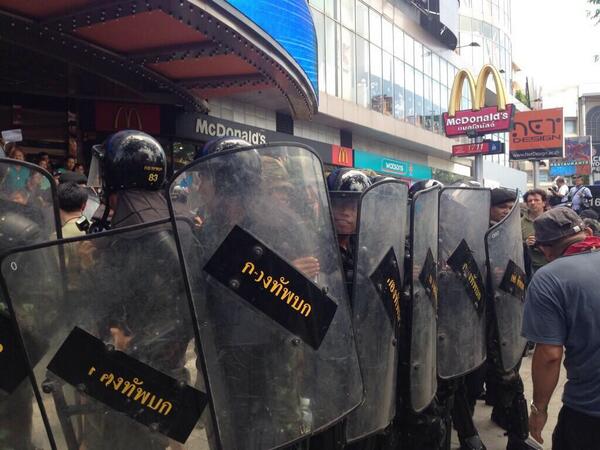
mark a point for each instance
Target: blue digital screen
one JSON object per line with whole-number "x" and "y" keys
{"x": 290, "y": 23}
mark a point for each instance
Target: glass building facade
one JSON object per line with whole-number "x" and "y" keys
{"x": 366, "y": 59}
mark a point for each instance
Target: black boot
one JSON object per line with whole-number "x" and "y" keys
{"x": 472, "y": 443}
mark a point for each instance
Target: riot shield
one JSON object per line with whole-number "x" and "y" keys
{"x": 424, "y": 294}
{"x": 378, "y": 282}
{"x": 28, "y": 214}
{"x": 275, "y": 326}
{"x": 463, "y": 221}
{"x": 504, "y": 250}
{"x": 114, "y": 337}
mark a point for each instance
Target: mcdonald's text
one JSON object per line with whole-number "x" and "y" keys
{"x": 486, "y": 120}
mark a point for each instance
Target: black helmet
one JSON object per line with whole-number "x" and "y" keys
{"x": 421, "y": 185}
{"x": 130, "y": 159}
{"x": 347, "y": 181}
{"x": 232, "y": 171}
{"x": 220, "y": 145}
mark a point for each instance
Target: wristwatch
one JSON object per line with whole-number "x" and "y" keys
{"x": 536, "y": 410}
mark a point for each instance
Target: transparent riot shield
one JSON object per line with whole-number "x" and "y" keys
{"x": 463, "y": 222}
{"x": 378, "y": 282}
{"x": 28, "y": 214}
{"x": 424, "y": 295}
{"x": 113, "y": 335}
{"x": 275, "y": 326}
{"x": 504, "y": 250}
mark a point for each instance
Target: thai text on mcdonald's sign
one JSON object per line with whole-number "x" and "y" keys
{"x": 538, "y": 134}
{"x": 342, "y": 156}
{"x": 480, "y": 119}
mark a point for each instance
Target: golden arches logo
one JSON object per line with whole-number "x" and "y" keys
{"x": 477, "y": 89}
{"x": 128, "y": 113}
{"x": 343, "y": 156}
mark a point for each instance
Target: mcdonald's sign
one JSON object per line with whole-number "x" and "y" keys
{"x": 112, "y": 116}
{"x": 480, "y": 119}
{"x": 342, "y": 156}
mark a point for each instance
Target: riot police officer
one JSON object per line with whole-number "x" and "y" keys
{"x": 505, "y": 346}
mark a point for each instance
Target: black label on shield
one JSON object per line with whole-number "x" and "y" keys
{"x": 428, "y": 278}
{"x": 270, "y": 284}
{"x": 386, "y": 279}
{"x": 13, "y": 366}
{"x": 129, "y": 386}
{"x": 465, "y": 266}
{"x": 513, "y": 281}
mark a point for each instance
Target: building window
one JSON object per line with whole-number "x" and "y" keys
{"x": 592, "y": 124}
{"x": 409, "y": 93}
{"x": 348, "y": 16}
{"x": 375, "y": 27}
{"x": 348, "y": 66}
{"x": 388, "y": 86}
{"x": 376, "y": 79}
{"x": 330, "y": 57}
{"x": 362, "y": 72}
{"x": 362, "y": 19}
{"x": 387, "y": 31}
{"x": 398, "y": 89}
{"x": 570, "y": 126}
{"x": 319, "y": 21}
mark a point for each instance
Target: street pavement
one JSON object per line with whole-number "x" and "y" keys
{"x": 492, "y": 435}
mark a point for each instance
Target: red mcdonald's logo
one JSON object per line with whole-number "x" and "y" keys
{"x": 342, "y": 156}
{"x": 128, "y": 113}
{"x": 112, "y": 116}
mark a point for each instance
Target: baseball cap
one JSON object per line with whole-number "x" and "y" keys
{"x": 502, "y": 195}
{"x": 555, "y": 224}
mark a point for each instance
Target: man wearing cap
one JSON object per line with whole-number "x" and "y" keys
{"x": 562, "y": 314}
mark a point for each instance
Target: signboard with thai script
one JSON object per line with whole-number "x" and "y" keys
{"x": 578, "y": 154}
{"x": 428, "y": 278}
{"x": 146, "y": 395}
{"x": 388, "y": 285}
{"x": 272, "y": 286}
{"x": 538, "y": 135}
{"x": 464, "y": 265}
{"x": 479, "y": 148}
{"x": 513, "y": 281}
{"x": 480, "y": 119}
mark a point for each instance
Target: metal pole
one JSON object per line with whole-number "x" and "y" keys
{"x": 536, "y": 174}
{"x": 478, "y": 168}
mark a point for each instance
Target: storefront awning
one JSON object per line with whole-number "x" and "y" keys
{"x": 187, "y": 51}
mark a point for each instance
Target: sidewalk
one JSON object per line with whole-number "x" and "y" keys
{"x": 493, "y": 436}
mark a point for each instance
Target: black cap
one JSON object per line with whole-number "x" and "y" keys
{"x": 502, "y": 195}
{"x": 75, "y": 177}
{"x": 557, "y": 223}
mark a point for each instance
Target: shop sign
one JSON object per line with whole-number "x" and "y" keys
{"x": 386, "y": 165}
{"x": 112, "y": 116}
{"x": 200, "y": 127}
{"x": 342, "y": 156}
{"x": 479, "y": 148}
{"x": 578, "y": 153}
{"x": 480, "y": 119}
{"x": 596, "y": 158}
{"x": 538, "y": 135}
